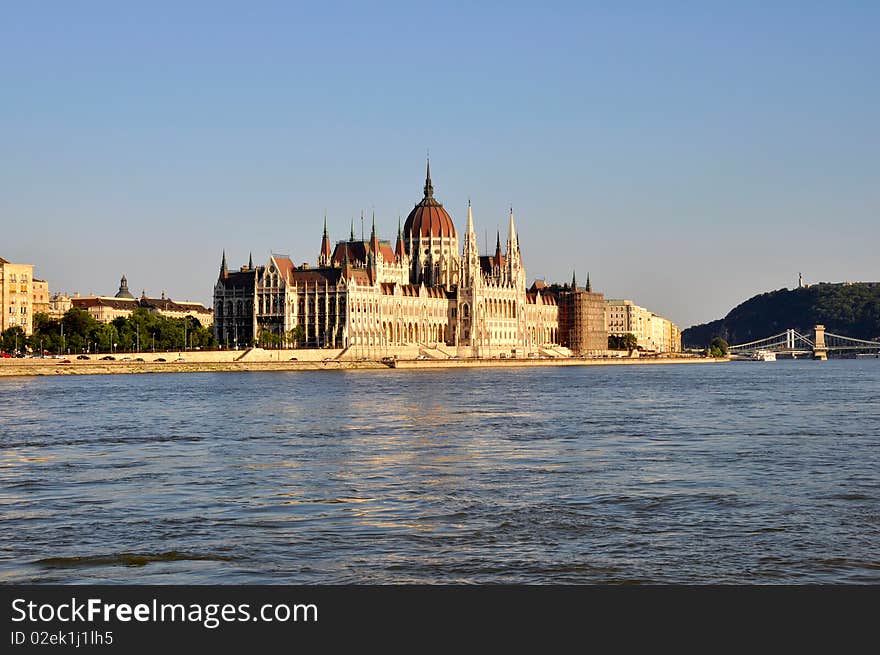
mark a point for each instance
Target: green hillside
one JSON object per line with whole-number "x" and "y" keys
{"x": 851, "y": 310}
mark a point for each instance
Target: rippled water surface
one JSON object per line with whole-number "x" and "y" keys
{"x": 743, "y": 472}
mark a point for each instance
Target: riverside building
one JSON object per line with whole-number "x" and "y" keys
{"x": 106, "y": 308}
{"x": 21, "y": 296}
{"x": 652, "y": 332}
{"x": 428, "y": 291}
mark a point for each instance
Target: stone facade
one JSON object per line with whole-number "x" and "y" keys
{"x": 16, "y": 296}
{"x": 59, "y": 303}
{"x": 652, "y": 332}
{"x": 379, "y": 300}
{"x": 105, "y": 309}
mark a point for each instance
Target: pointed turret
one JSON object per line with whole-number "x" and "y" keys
{"x": 325, "y": 254}
{"x": 374, "y": 243}
{"x": 429, "y": 188}
{"x": 352, "y": 230}
{"x": 250, "y": 261}
{"x": 589, "y": 286}
{"x": 346, "y": 264}
{"x": 224, "y": 272}
{"x": 398, "y": 247}
{"x": 512, "y": 240}
{"x": 497, "y": 247}
{"x": 574, "y": 283}
{"x": 471, "y": 253}
{"x": 514, "y": 260}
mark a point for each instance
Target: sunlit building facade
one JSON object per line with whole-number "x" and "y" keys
{"x": 429, "y": 289}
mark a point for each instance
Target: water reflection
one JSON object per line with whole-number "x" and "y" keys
{"x": 740, "y": 473}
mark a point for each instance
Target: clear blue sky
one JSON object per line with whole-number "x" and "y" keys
{"x": 687, "y": 155}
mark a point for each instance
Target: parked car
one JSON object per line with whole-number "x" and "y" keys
{"x": 138, "y": 359}
{"x": 65, "y": 361}
{"x": 83, "y": 357}
{"x": 294, "y": 359}
{"x": 126, "y": 359}
{"x": 160, "y": 359}
{"x": 179, "y": 359}
{"x": 5, "y": 355}
{"x": 108, "y": 358}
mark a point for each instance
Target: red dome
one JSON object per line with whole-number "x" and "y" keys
{"x": 428, "y": 221}
{"x": 428, "y": 218}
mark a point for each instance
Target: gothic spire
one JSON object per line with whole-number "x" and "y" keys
{"x": 398, "y": 247}
{"x": 512, "y": 241}
{"x": 250, "y": 261}
{"x": 324, "y": 257}
{"x": 589, "y": 286}
{"x": 374, "y": 242}
{"x": 223, "y": 270}
{"x": 352, "y": 230}
{"x": 429, "y": 188}
{"x": 574, "y": 283}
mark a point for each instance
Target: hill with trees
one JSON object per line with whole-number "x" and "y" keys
{"x": 848, "y": 309}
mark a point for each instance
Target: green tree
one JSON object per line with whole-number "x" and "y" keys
{"x": 630, "y": 342}
{"x": 268, "y": 339}
{"x": 13, "y": 340}
{"x": 297, "y": 336}
{"x": 718, "y": 347}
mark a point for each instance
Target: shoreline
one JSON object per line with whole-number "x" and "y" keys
{"x": 30, "y": 368}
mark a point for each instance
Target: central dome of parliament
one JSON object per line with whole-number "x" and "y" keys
{"x": 428, "y": 218}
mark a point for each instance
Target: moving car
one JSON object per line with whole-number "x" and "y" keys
{"x": 83, "y": 357}
{"x": 108, "y": 358}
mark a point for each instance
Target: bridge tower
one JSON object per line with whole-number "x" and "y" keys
{"x": 820, "y": 350}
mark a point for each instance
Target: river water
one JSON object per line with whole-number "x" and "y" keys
{"x": 747, "y": 472}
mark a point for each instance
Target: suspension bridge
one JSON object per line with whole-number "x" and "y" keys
{"x": 792, "y": 342}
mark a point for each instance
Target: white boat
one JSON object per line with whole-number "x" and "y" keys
{"x": 764, "y": 356}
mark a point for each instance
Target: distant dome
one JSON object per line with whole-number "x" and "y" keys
{"x": 123, "y": 290}
{"x": 428, "y": 218}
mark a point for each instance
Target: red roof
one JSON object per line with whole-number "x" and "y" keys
{"x": 429, "y": 219}
{"x": 358, "y": 250}
{"x": 488, "y": 263}
{"x": 285, "y": 266}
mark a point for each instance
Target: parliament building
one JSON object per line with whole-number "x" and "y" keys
{"x": 427, "y": 291}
